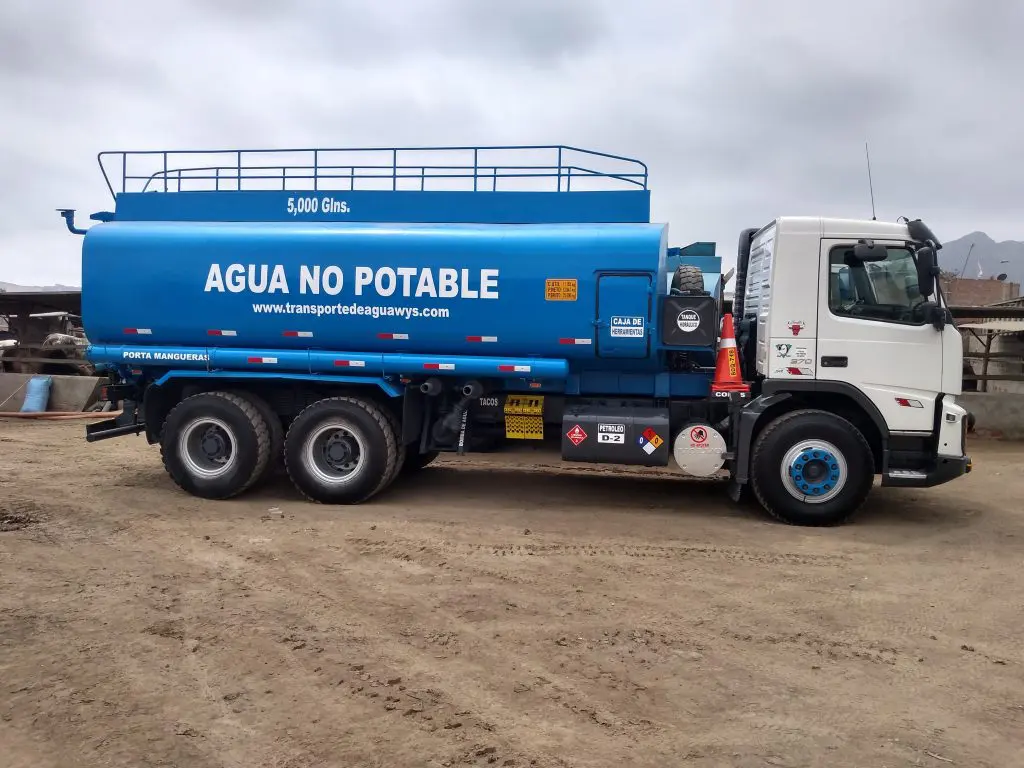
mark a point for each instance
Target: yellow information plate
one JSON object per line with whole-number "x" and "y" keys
{"x": 560, "y": 290}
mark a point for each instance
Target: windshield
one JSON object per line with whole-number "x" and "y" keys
{"x": 879, "y": 290}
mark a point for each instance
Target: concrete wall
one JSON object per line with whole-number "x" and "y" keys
{"x": 996, "y": 414}
{"x": 67, "y": 393}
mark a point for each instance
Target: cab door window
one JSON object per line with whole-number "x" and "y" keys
{"x": 885, "y": 291}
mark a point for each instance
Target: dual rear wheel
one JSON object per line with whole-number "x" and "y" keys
{"x": 340, "y": 450}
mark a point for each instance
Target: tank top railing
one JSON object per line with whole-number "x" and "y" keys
{"x": 566, "y": 169}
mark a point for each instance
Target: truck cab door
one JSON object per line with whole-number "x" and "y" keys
{"x": 873, "y": 333}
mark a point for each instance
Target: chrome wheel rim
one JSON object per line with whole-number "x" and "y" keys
{"x": 814, "y": 471}
{"x": 208, "y": 447}
{"x": 334, "y": 453}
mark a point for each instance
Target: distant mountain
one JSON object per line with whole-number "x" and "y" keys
{"x": 987, "y": 253}
{"x": 15, "y": 288}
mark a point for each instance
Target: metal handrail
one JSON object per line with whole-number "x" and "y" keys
{"x": 168, "y": 176}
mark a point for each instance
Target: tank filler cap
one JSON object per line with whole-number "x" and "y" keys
{"x": 699, "y": 450}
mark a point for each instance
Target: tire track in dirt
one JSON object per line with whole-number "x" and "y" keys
{"x": 410, "y": 549}
{"x": 543, "y": 686}
{"x": 349, "y": 692}
{"x": 374, "y": 683}
{"x": 482, "y": 659}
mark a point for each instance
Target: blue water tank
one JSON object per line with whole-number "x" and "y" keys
{"x": 457, "y": 289}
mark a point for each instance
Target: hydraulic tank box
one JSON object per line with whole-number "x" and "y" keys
{"x": 689, "y": 321}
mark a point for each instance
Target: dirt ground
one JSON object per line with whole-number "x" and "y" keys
{"x": 487, "y": 613}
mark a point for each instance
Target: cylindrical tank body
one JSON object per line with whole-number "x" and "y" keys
{"x": 455, "y": 289}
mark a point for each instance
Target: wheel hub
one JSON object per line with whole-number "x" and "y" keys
{"x": 814, "y": 472}
{"x": 207, "y": 447}
{"x": 213, "y": 445}
{"x": 340, "y": 452}
{"x": 334, "y": 453}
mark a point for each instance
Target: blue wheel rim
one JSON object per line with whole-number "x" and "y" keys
{"x": 814, "y": 471}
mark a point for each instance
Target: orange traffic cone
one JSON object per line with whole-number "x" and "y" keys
{"x": 727, "y": 369}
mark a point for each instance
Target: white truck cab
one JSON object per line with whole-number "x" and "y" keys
{"x": 843, "y": 318}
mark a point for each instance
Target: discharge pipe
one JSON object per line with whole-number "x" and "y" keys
{"x": 448, "y": 427}
{"x": 59, "y": 415}
{"x": 68, "y": 214}
{"x": 431, "y": 387}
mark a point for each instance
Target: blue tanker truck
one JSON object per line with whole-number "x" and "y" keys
{"x": 348, "y": 315}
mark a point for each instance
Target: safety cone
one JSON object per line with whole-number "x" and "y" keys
{"x": 727, "y": 368}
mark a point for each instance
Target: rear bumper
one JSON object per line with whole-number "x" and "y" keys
{"x": 124, "y": 424}
{"x": 946, "y": 468}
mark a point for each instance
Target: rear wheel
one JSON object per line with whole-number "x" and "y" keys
{"x": 215, "y": 444}
{"x": 811, "y": 467}
{"x": 396, "y": 427}
{"x": 342, "y": 450}
{"x": 273, "y": 421}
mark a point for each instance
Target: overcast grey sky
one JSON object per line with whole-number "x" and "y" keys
{"x": 743, "y": 110}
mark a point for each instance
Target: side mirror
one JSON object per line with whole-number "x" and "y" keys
{"x": 868, "y": 250}
{"x": 934, "y": 314}
{"x": 927, "y": 270}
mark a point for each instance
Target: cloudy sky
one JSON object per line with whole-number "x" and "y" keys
{"x": 743, "y": 110}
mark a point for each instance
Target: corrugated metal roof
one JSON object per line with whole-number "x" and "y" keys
{"x": 997, "y": 326}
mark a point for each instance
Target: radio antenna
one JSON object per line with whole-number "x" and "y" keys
{"x": 871, "y": 186}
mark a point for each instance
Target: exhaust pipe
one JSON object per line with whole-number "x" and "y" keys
{"x": 473, "y": 390}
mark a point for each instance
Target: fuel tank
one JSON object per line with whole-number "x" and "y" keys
{"x": 535, "y": 290}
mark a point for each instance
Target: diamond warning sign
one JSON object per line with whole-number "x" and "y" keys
{"x": 576, "y": 434}
{"x": 649, "y": 441}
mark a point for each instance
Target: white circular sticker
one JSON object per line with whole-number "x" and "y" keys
{"x": 688, "y": 321}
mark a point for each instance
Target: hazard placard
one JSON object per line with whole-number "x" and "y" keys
{"x": 576, "y": 435}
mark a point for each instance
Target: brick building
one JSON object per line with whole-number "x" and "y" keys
{"x": 972, "y": 292}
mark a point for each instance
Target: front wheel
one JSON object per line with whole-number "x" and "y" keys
{"x": 811, "y": 467}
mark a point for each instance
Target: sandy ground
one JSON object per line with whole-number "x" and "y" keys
{"x": 488, "y": 614}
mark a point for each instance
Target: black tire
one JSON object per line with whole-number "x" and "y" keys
{"x": 273, "y": 421}
{"x": 415, "y": 461}
{"x": 402, "y": 450}
{"x": 367, "y": 453}
{"x": 214, "y": 428}
{"x": 689, "y": 280}
{"x": 836, "y": 457}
